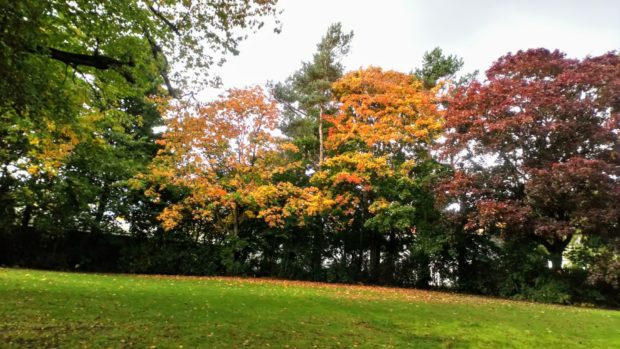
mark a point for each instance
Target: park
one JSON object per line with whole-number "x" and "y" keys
{"x": 325, "y": 174}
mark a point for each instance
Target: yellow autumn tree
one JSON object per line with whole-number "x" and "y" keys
{"x": 215, "y": 153}
{"x": 385, "y": 124}
{"x": 223, "y": 157}
{"x": 377, "y": 142}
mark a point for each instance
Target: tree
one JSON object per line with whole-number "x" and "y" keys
{"x": 377, "y": 143}
{"x": 535, "y": 148}
{"x": 435, "y": 65}
{"x": 231, "y": 178}
{"x": 129, "y": 37}
{"x": 74, "y": 73}
{"x": 62, "y": 59}
{"x": 306, "y": 95}
{"x": 220, "y": 155}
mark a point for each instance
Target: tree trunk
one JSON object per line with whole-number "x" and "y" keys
{"x": 343, "y": 259}
{"x": 424, "y": 271}
{"x": 236, "y": 221}
{"x": 390, "y": 259}
{"x": 29, "y": 239}
{"x": 375, "y": 258}
{"x": 463, "y": 266}
{"x": 26, "y": 216}
{"x": 556, "y": 250}
{"x": 360, "y": 256}
{"x": 556, "y": 261}
{"x": 320, "y": 120}
{"x": 103, "y": 202}
{"x": 317, "y": 251}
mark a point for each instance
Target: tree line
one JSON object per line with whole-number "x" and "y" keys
{"x": 505, "y": 184}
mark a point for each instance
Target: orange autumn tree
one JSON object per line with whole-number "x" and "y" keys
{"x": 377, "y": 144}
{"x": 221, "y": 156}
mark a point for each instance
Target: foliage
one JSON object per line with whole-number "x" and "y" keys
{"x": 308, "y": 90}
{"x": 217, "y": 153}
{"x": 374, "y": 176}
{"x": 76, "y": 118}
{"x": 535, "y": 148}
{"x": 305, "y": 97}
{"x": 377, "y": 142}
{"x": 435, "y": 66}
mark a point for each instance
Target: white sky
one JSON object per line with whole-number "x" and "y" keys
{"x": 394, "y": 34}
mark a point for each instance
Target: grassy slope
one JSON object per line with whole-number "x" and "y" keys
{"x": 49, "y": 309}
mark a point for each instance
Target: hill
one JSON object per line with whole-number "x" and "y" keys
{"x": 42, "y": 309}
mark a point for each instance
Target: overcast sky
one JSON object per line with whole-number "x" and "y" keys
{"x": 394, "y": 34}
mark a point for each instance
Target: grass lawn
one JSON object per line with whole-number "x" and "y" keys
{"x": 41, "y": 309}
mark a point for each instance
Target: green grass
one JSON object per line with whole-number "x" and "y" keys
{"x": 50, "y": 309}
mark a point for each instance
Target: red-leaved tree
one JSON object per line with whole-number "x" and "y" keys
{"x": 536, "y": 148}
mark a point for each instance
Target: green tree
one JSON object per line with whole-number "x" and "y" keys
{"x": 76, "y": 122}
{"x": 436, "y": 65}
{"x": 306, "y": 97}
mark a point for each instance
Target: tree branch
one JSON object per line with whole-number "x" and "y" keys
{"x": 156, "y": 51}
{"x": 289, "y": 106}
{"x": 95, "y": 61}
{"x": 166, "y": 21}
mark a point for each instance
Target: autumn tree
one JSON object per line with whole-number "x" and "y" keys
{"x": 535, "y": 149}
{"x": 231, "y": 172}
{"x": 215, "y": 152}
{"x": 378, "y": 140}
